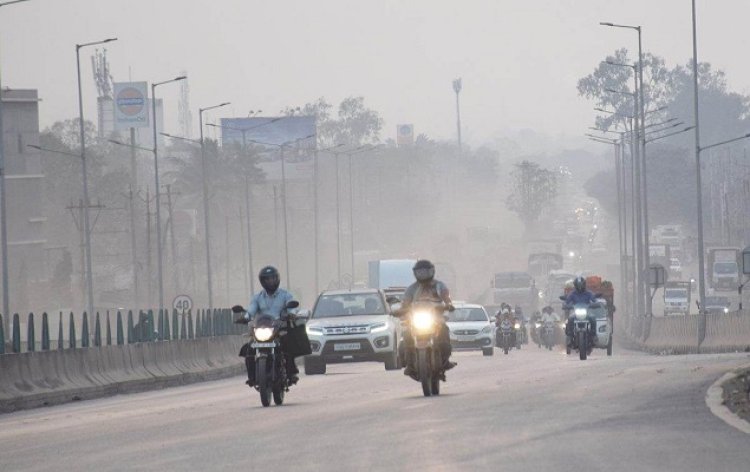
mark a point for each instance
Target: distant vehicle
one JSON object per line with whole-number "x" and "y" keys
{"x": 677, "y": 298}
{"x": 556, "y": 281}
{"x": 352, "y": 326}
{"x": 513, "y": 288}
{"x": 724, "y": 268}
{"x": 392, "y": 275}
{"x": 717, "y": 305}
{"x": 540, "y": 264}
{"x": 471, "y": 328}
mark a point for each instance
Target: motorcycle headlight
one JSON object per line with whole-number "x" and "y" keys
{"x": 562, "y": 325}
{"x": 263, "y": 334}
{"x": 378, "y": 327}
{"x": 538, "y": 325}
{"x": 517, "y": 326}
{"x": 313, "y": 329}
{"x": 580, "y": 312}
{"x": 422, "y": 321}
{"x": 487, "y": 329}
{"x": 726, "y": 310}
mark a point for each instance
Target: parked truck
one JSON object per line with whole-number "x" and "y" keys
{"x": 724, "y": 268}
{"x": 677, "y": 298}
{"x": 392, "y": 275}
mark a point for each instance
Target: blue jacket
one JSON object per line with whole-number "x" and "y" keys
{"x": 575, "y": 297}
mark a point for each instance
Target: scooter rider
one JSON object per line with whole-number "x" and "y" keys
{"x": 578, "y": 296}
{"x": 270, "y": 301}
{"x": 548, "y": 314}
{"x": 506, "y": 313}
{"x": 427, "y": 289}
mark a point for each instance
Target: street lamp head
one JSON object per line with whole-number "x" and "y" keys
{"x": 182, "y": 77}
{"x": 602, "y": 23}
{"x": 109, "y": 40}
{"x": 457, "y": 86}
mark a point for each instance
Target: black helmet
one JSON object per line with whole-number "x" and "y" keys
{"x": 424, "y": 271}
{"x": 547, "y": 309}
{"x": 269, "y": 279}
{"x": 580, "y": 284}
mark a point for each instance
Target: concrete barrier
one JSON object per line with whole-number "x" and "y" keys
{"x": 726, "y": 333}
{"x": 35, "y": 379}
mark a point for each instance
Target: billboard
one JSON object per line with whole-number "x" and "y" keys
{"x": 297, "y": 134}
{"x": 131, "y": 105}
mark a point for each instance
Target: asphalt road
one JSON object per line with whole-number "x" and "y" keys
{"x": 532, "y": 410}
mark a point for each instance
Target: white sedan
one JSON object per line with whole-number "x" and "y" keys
{"x": 471, "y": 328}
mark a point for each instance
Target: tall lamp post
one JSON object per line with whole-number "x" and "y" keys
{"x": 86, "y": 227}
{"x": 159, "y": 264}
{"x": 457, "y": 86}
{"x": 206, "y": 214}
{"x": 3, "y": 215}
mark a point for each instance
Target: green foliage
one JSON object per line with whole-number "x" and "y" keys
{"x": 354, "y": 124}
{"x": 532, "y": 189}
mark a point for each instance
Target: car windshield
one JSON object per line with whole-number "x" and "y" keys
{"x": 467, "y": 314}
{"x": 725, "y": 267}
{"x": 348, "y": 304}
{"x": 675, "y": 293}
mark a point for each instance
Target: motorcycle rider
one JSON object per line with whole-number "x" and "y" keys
{"x": 506, "y": 313}
{"x": 427, "y": 289}
{"x": 522, "y": 321}
{"x": 270, "y": 301}
{"x": 582, "y": 296}
{"x": 548, "y": 314}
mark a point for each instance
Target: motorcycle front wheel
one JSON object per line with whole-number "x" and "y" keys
{"x": 425, "y": 371}
{"x": 263, "y": 381}
{"x": 582, "y": 345}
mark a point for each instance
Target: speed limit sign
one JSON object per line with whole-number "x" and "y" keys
{"x": 182, "y": 303}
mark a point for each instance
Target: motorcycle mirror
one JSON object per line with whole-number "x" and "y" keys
{"x": 304, "y": 314}
{"x": 292, "y": 304}
{"x": 238, "y": 309}
{"x": 391, "y": 300}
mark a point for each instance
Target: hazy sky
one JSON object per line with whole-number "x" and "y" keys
{"x": 519, "y": 59}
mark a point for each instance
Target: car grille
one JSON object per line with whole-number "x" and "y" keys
{"x": 466, "y": 332}
{"x": 346, "y": 330}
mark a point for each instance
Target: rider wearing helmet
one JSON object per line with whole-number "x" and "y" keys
{"x": 579, "y": 295}
{"x": 506, "y": 313}
{"x": 548, "y": 314}
{"x": 270, "y": 301}
{"x": 427, "y": 289}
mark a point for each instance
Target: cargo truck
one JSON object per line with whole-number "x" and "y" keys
{"x": 723, "y": 267}
{"x": 677, "y": 298}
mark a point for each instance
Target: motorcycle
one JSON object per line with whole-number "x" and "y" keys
{"x": 505, "y": 335}
{"x": 424, "y": 325}
{"x": 548, "y": 334}
{"x": 582, "y": 335}
{"x": 266, "y": 333}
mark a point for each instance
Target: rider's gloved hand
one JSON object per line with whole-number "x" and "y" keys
{"x": 451, "y": 308}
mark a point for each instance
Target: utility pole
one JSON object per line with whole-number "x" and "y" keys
{"x": 173, "y": 241}
{"x": 227, "y": 258}
{"x": 243, "y": 248}
{"x": 79, "y": 219}
{"x": 251, "y": 274}
{"x": 149, "y": 278}
{"x": 131, "y": 199}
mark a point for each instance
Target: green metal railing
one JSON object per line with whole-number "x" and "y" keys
{"x": 141, "y": 327}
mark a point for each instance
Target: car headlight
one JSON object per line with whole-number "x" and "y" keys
{"x": 422, "y": 321}
{"x": 726, "y": 310}
{"x": 263, "y": 334}
{"x": 378, "y": 327}
{"x": 538, "y": 325}
{"x": 517, "y": 326}
{"x": 313, "y": 329}
{"x": 580, "y": 311}
{"x": 487, "y": 329}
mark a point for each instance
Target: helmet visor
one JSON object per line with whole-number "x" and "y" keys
{"x": 424, "y": 274}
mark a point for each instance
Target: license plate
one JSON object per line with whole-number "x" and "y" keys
{"x": 347, "y": 347}
{"x": 262, "y": 345}
{"x": 464, "y": 338}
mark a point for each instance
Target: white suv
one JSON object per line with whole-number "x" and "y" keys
{"x": 471, "y": 328}
{"x": 351, "y": 326}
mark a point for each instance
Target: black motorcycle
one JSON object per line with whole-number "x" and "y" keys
{"x": 424, "y": 326}
{"x": 266, "y": 336}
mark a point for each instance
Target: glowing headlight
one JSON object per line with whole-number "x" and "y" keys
{"x": 378, "y": 327}
{"x": 538, "y": 325}
{"x": 422, "y": 321}
{"x": 313, "y": 330}
{"x": 517, "y": 326}
{"x": 571, "y": 254}
{"x": 726, "y": 310}
{"x": 580, "y": 312}
{"x": 562, "y": 325}
{"x": 263, "y": 334}
{"x": 541, "y": 295}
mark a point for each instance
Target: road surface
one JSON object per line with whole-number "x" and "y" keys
{"x": 532, "y": 410}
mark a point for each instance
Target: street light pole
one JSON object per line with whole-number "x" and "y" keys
{"x": 206, "y": 215}
{"x": 86, "y": 226}
{"x": 159, "y": 264}
{"x": 457, "y": 86}
{"x": 3, "y": 213}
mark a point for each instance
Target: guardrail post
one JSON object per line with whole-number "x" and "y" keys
{"x": 120, "y": 334}
{"x": 701, "y": 327}
{"x": 198, "y": 324}
{"x": 2, "y": 336}
{"x": 183, "y": 327}
{"x": 30, "y": 334}
{"x": 191, "y": 331}
{"x": 85, "y": 340}
{"x": 45, "y": 332}
{"x": 60, "y": 337}
{"x": 109, "y": 331}
{"x": 16, "y": 333}
{"x": 97, "y": 331}
{"x": 167, "y": 331}
{"x": 131, "y": 328}
{"x": 72, "y": 332}
{"x": 175, "y": 326}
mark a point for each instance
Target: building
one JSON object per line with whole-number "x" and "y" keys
{"x": 24, "y": 187}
